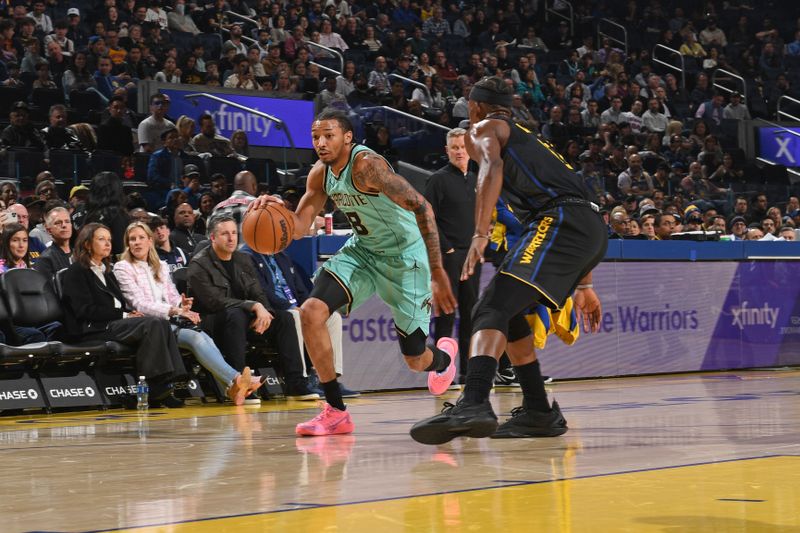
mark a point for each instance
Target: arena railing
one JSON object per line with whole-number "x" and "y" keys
{"x": 672, "y": 51}
{"x": 412, "y": 82}
{"x": 549, "y": 9}
{"x": 781, "y": 113}
{"x": 406, "y": 115}
{"x": 729, "y": 75}
{"x": 601, "y": 34}
{"x": 242, "y": 17}
{"x": 331, "y": 51}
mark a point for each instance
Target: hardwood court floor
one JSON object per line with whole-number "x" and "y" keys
{"x": 686, "y": 453}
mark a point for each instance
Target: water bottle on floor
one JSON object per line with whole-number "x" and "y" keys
{"x": 142, "y": 394}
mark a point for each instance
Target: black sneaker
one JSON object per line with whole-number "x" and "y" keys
{"x": 300, "y": 391}
{"x": 460, "y": 420}
{"x": 506, "y": 377}
{"x": 526, "y": 422}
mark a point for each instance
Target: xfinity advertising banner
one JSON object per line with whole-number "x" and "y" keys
{"x": 297, "y": 114}
{"x": 657, "y": 318}
{"x": 780, "y": 146}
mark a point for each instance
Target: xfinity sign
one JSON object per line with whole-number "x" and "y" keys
{"x": 296, "y": 114}
{"x": 780, "y": 146}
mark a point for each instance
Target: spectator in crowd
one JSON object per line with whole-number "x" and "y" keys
{"x": 152, "y": 128}
{"x": 245, "y": 188}
{"x": 78, "y": 197}
{"x": 14, "y": 251}
{"x": 183, "y": 234}
{"x": 231, "y": 302}
{"x": 209, "y": 141}
{"x": 113, "y": 134}
{"x": 331, "y": 39}
{"x": 174, "y": 256}
{"x": 647, "y": 223}
{"x": 35, "y": 246}
{"x": 665, "y": 225}
{"x": 21, "y": 133}
{"x": 96, "y": 309}
{"x": 13, "y": 79}
{"x": 58, "y": 255}
{"x": 741, "y": 208}
{"x": 653, "y": 119}
{"x": 712, "y": 110}
{"x": 787, "y": 233}
{"x": 758, "y": 207}
{"x": 738, "y": 226}
{"x": 145, "y": 282}
{"x": 180, "y": 20}
{"x": 243, "y": 76}
{"x": 57, "y": 135}
{"x": 768, "y": 227}
{"x": 43, "y": 80}
{"x": 754, "y": 232}
{"x": 59, "y": 36}
{"x": 44, "y": 24}
{"x": 190, "y": 183}
{"x": 169, "y": 73}
{"x": 614, "y": 113}
{"x": 108, "y": 84}
{"x": 378, "y": 78}
{"x": 619, "y": 221}
{"x": 735, "y": 109}
{"x": 40, "y": 207}
{"x": 106, "y": 206}
{"x": 635, "y": 180}
{"x": 164, "y": 168}
{"x": 792, "y": 205}
{"x": 240, "y": 144}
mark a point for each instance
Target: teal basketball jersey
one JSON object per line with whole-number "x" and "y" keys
{"x": 379, "y": 225}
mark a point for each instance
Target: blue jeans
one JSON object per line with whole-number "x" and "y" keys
{"x": 207, "y": 354}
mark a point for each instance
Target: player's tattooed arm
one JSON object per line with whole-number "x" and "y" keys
{"x": 373, "y": 173}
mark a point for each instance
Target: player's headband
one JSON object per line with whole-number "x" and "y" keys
{"x": 480, "y": 94}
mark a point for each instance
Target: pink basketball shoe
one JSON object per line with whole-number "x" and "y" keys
{"x": 439, "y": 382}
{"x": 330, "y": 421}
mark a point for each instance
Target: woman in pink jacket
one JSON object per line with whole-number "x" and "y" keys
{"x": 146, "y": 284}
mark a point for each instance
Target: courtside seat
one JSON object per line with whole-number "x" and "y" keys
{"x": 28, "y": 355}
{"x": 32, "y": 302}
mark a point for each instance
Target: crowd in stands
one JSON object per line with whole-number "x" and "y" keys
{"x": 627, "y": 124}
{"x": 115, "y": 266}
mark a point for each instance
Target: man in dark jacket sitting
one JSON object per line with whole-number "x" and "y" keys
{"x": 287, "y": 289}
{"x": 230, "y": 300}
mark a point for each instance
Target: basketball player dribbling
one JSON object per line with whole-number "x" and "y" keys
{"x": 562, "y": 241}
{"x": 394, "y": 253}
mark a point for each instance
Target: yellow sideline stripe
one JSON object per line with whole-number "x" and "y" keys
{"x": 760, "y": 495}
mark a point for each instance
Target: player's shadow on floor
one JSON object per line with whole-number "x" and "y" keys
{"x": 693, "y": 524}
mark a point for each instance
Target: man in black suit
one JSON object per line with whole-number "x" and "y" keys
{"x": 230, "y": 300}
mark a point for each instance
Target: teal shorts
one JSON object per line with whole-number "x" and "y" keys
{"x": 403, "y": 282}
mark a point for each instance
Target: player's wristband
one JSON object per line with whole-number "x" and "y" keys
{"x": 585, "y": 286}
{"x": 479, "y": 236}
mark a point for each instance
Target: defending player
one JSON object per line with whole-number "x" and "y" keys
{"x": 564, "y": 238}
{"x": 394, "y": 252}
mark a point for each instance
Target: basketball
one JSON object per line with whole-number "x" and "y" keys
{"x": 268, "y": 230}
